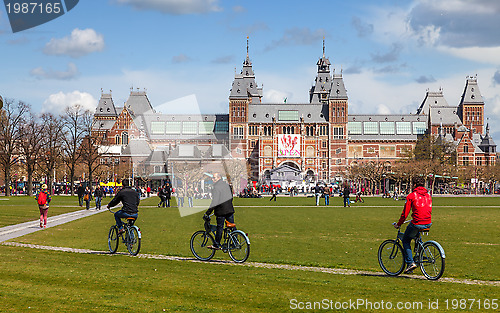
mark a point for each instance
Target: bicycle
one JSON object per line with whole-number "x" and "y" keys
{"x": 428, "y": 255}
{"x": 131, "y": 237}
{"x": 235, "y": 242}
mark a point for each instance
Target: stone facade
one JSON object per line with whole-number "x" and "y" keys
{"x": 319, "y": 139}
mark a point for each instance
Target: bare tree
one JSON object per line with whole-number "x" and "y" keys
{"x": 30, "y": 145}
{"x": 189, "y": 173}
{"x": 11, "y": 118}
{"x": 73, "y": 122}
{"x": 51, "y": 151}
{"x": 92, "y": 144}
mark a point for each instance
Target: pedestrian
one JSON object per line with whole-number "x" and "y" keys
{"x": 345, "y": 194}
{"x": 190, "y": 194}
{"x": 148, "y": 191}
{"x": 43, "y": 199}
{"x": 80, "y": 191}
{"x": 98, "y": 193}
{"x": 326, "y": 194}
{"x": 274, "y": 191}
{"x": 180, "y": 196}
{"x": 318, "y": 191}
{"x": 87, "y": 196}
{"x": 161, "y": 195}
{"x": 168, "y": 194}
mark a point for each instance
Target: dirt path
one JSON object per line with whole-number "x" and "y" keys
{"x": 334, "y": 271}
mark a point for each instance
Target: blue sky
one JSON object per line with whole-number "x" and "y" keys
{"x": 391, "y": 52}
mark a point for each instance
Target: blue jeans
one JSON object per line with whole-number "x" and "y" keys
{"x": 411, "y": 233}
{"x": 220, "y": 226}
{"x": 318, "y": 196}
{"x": 98, "y": 203}
{"x": 122, "y": 214}
{"x": 181, "y": 201}
{"x": 190, "y": 202}
{"x": 327, "y": 199}
{"x": 347, "y": 202}
{"x": 80, "y": 200}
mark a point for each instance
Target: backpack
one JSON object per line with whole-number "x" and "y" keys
{"x": 42, "y": 198}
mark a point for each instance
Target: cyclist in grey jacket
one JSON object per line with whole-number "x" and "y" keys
{"x": 221, "y": 205}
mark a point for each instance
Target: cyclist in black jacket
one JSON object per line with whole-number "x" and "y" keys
{"x": 130, "y": 200}
{"x": 221, "y": 205}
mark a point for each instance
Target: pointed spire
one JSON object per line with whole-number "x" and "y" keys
{"x": 247, "y": 46}
{"x": 323, "y": 46}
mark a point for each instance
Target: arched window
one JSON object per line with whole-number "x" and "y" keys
{"x": 117, "y": 139}
{"x": 125, "y": 138}
{"x": 268, "y": 151}
{"x": 293, "y": 130}
{"x": 310, "y": 152}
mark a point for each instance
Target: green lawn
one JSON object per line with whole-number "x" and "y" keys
{"x": 290, "y": 231}
{"x": 20, "y": 209}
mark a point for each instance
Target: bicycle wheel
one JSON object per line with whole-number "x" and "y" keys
{"x": 113, "y": 239}
{"x": 391, "y": 258}
{"x": 199, "y": 245}
{"x": 431, "y": 261}
{"x": 133, "y": 240}
{"x": 238, "y": 247}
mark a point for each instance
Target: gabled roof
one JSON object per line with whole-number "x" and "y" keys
{"x": 471, "y": 94}
{"x": 105, "y": 107}
{"x": 265, "y": 112}
{"x": 138, "y": 103}
{"x": 444, "y": 114}
{"x": 137, "y": 147}
{"x": 432, "y": 98}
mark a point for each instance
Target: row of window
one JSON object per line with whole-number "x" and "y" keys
{"x": 189, "y": 128}
{"x": 253, "y": 130}
{"x": 386, "y": 128}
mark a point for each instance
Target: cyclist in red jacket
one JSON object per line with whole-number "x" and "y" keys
{"x": 420, "y": 203}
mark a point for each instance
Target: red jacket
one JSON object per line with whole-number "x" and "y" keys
{"x": 420, "y": 203}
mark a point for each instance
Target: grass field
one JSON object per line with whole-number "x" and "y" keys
{"x": 290, "y": 231}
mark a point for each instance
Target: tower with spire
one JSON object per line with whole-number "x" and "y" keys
{"x": 471, "y": 107}
{"x": 244, "y": 91}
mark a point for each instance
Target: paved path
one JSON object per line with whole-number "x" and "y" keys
{"x": 14, "y": 231}
{"x": 333, "y": 271}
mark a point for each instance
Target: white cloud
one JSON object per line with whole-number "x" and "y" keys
{"x": 59, "y": 101}
{"x": 175, "y": 7}
{"x": 79, "y": 43}
{"x": 70, "y": 73}
{"x": 276, "y": 96}
{"x": 489, "y": 55}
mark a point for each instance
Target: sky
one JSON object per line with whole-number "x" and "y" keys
{"x": 390, "y": 52}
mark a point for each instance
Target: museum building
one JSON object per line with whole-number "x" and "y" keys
{"x": 299, "y": 142}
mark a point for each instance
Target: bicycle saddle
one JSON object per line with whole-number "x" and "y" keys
{"x": 230, "y": 225}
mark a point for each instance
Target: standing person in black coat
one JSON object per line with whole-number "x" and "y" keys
{"x": 168, "y": 194}
{"x": 346, "y": 194}
{"x": 98, "y": 193}
{"x": 80, "y": 192}
{"x": 222, "y": 206}
{"x": 161, "y": 194}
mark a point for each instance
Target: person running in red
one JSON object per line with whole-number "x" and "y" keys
{"x": 420, "y": 203}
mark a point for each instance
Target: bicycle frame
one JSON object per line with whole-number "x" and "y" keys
{"x": 419, "y": 244}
